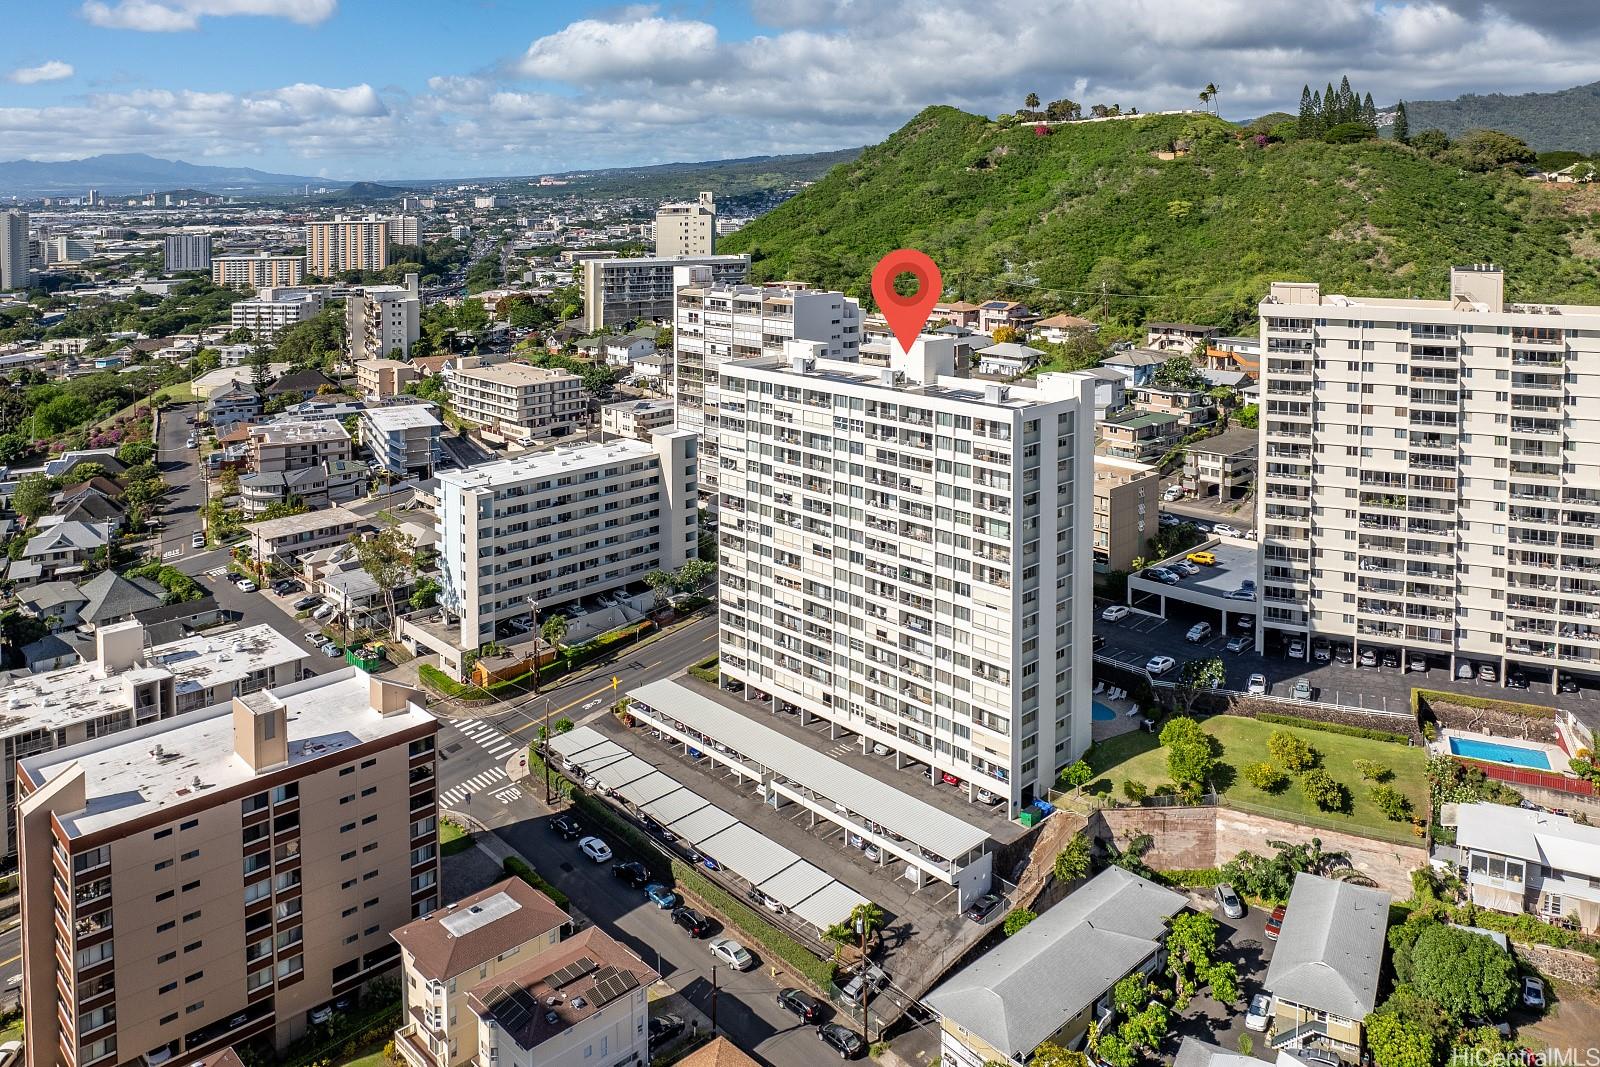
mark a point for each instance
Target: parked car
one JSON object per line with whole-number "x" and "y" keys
{"x": 1342, "y": 652}
{"x": 1229, "y": 901}
{"x": 1368, "y": 658}
{"x": 1239, "y": 643}
{"x": 1173, "y": 492}
{"x": 1257, "y": 685}
{"x": 1417, "y": 664}
{"x": 1391, "y": 658}
{"x": 567, "y": 827}
{"x": 305, "y": 603}
{"x": 803, "y": 1006}
{"x": 1517, "y": 680}
{"x": 1222, "y": 529}
{"x": 733, "y": 954}
{"x": 1567, "y": 684}
{"x": 331, "y": 650}
{"x": 1297, "y": 649}
{"x": 1200, "y": 631}
{"x": 323, "y": 613}
{"x": 1533, "y": 992}
{"x": 1302, "y": 690}
{"x": 198, "y": 540}
{"x": 843, "y": 1040}
{"x": 948, "y": 779}
{"x": 1184, "y": 567}
{"x": 318, "y": 1016}
{"x": 283, "y": 587}
{"x": 661, "y": 896}
{"x": 246, "y": 586}
{"x": 985, "y": 797}
{"x": 1115, "y": 613}
{"x": 1242, "y": 593}
{"x": 314, "y": 638}
{"x": 1160, "y": 664}
{"x": 664, "y": 1028}
{"x": 595, "y": 849}
{"x": 1204, "y": 557}
{"x": 771, "y": 903}
{"x": 1162, "y": 575}
{"x": 1320, "y": 652}
{"x": 1259, "y": 1013}
{"x": 630, "y": 871}
{"x": 982, "y": 907}
{"x": 10, "y": 1053}
{"x": 1487, "y": 672}
{"x": 1464, "y": 670}
{"x": 693, "y": 923}
{"x": 1274, "y": 925}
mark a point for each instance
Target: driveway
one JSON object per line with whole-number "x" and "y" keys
{"x": 1245, "y": 944}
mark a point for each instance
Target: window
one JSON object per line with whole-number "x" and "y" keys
{"x": 169, "y": 987}
{"x": 369, "y": 764}
{"x": 167, "y": 957}
{"x": 371, "y": 789}
{"x": 192, "y": 946}
{"x": 190, "y": 885}
{"x": 346, "y": 770}
{"x": 190, "y": 825}
{"x": 164, "y": 896}
{"x": 195, "y": 977}
{"x": 369, "y": 820}
{"x": 159, "y": 834}
{"x": 191, "y": 917}
{"x": 191, "y": 1009}
{"x": 163, "y": 865}
{"x": 164, "y": 927}
{"x": 347, "y": 827}
{"x": 291, "y": 791}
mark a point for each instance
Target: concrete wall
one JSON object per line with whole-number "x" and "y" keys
{"x": 1210, "y": 837}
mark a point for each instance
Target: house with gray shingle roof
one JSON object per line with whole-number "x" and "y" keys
{"x": 112, "y": 598}
{"x": 61, "y": 601}
{"x": 64, "y": 547}
{"x": 1324, "y": 972}
{"x": 1051, "y": 979}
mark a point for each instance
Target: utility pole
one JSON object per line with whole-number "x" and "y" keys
{"x": 866, "y": 978}
{"x": 544, "y": 744}
{"x": 713, "y": 998}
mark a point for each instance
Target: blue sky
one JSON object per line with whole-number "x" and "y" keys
{"x": 408, "y": 88}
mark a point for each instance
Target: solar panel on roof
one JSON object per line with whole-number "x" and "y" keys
{"x": 572, "y": 972}
{"x": 610, "y": 983}
{"x": 511, "y": 1005}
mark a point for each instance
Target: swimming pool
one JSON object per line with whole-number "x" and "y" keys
{"x": 1494, "y": 752}
{"x": 1103, "y": 713}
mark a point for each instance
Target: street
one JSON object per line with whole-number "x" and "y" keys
{"x": 10, "y": 963}
{"x": 186, "y": 493}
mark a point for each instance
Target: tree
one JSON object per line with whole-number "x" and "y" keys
{"x": 1324, "y": 791}
{"x": 425, "y": 595}
{"x": 261, "y": 370}
{"x": 1348, "y": 133}
{"x": 1208, "y": 95}
{"x": 1179, "y": 373}
{"x": 1006, "y": 334}
{"x": 1265, "y": 777}
{"x": 1051, "y": 1054}
{"x": 1369, "y": 113}
{"x": 692, "y": 575}
{"x": 660, "y": 583}
{"x": 1191, "y": 755}
{"x": 1017, "y": 919}
{"x": 1397, "y": 1042}
{"x": 1073, "y": 862}
{"x": 133, "y": 453}
{"x": 31, "y": 497}
{"x": 1490, "y": 150}
{"x": 1078, "y": 775}
{"x": 1431, "y": 143}
{"x": 1373, "y": 771}
{"x": 390, "y": 559}
{"x": 1131, "y": 859}
{"x": 1195, "y": 677}
{"x": 1032, "y": 103}
{"x": 1191, "y": 951}
{"x": 554, "y": 630}
{"x": 1306, "y": 125}
{"x": 1393, "y": 803}
{"x": 1466, "y": 973}
{"x": 1291, "y": 751}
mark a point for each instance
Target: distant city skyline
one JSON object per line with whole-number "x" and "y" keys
{"x": 407, "y": 89}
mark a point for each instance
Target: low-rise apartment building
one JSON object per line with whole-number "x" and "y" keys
{"x": 1139, "y": 435}
{"x": 219, "y": 876}
{"x": 1126, "y": 509}
{"x": 403, "y": 438}
{"x": 639, "y": 289}
{"x": 291, "y": 446}
{"x": 517, "y": 400}
{"x": 1178, "y": 337}
{"x": 379, "y": 379}
{"x": 524, "y": 536}
{"x": 1519, "y": 861}
{"x": 638, "y": 419}
{"x": 1222, "y": 466}
{"x": 383, "y": 320}
{"x": 275, "y": 309}
{"x": 257, "y": 270}
{"x": 286, "y": 539}
{"x": 1192, "y": 407}
{"x": 333, "y": 481}
{"x": 445, "y": 954}
{"x": 130, "y": 683}
{"x": 1324, "y": 971}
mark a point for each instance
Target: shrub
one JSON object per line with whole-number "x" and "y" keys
{"x": 706, "y": 670}
{"x": 736, "y": 912}
{"x": 1266, "y": 777}
{"x": 517, "y": 867}
{"x": 1322, "y": 790}
{"x": 1393, "y": 803}
{"x": 1373, "y": 771}
{"x": 1135, "y": 791}
{"x": 1192, "y": 877}
{"x": 1017, "y": 919}
{"x": 1289, "y": 750}
{"x": 1336, "y": 728}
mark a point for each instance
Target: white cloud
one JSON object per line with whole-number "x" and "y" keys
{"x": 171, "y": 16}
{"x": 641, "y": 47}
{"x": 50, "y": 71}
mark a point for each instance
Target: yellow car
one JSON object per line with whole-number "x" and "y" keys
{"x": 1208, "y": 559}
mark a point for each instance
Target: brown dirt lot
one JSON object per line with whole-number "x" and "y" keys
{"x": 1571, "y": 1024}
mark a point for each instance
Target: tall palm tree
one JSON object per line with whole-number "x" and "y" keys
{"x": 1210, "y": 94}
{"x": 1205, "y": 96}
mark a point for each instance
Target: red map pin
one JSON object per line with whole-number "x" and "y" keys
{"x": 906, "y": 314}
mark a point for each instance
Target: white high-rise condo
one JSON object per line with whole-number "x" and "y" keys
{"x": 1430, "y": 475}
{"x": 639, "y": 289}
{"x": 904, "y": 554}
{"x": 13, "y": 250}
{"x": 187, "y": 251}
{"x": 687, "y": 229}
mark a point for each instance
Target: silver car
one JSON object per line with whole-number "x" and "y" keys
{"x": 1229, "y": 901}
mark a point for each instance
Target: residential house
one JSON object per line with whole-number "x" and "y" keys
{"x": 62, "y": 467}
{"x": 56, "y": 604}
{"x": 956, "y": 312}
{"x": 1324, "y": 971}
{"x": 1515, "y": 860}
{"x": 1008, "y": 359}
{"x": 1126, "y": 495}
{"x": 622, "y": 351}
{"x": 1139, "y": 435}
{"x": 1110, "y": 390}
{"x": 636, "y": 418}
{"x": 1178, "y": 337}
{"x": 109, "y": 598}
{"x": 173, "y": 622}
{"x": 1138, "y": 365}
{"x": 654, "y": 372}
{"x": 719, "y": 1053}
{"x": 285, "y": 540}
{"x": 1193, "y": 1052}
{"x": 444, "y": 954}
{"x": 63, "y": 548}
{"x": 993, "y": 314}
{"x": 581, "y": 1001}
{"x": 1221, "y": 466}
{"x": 1054, "y": 977}
{"x": 1058, "y": 329}
{"x": 90, "y": 505}
{"x": 333, "y": 481}
{"x": 233, "y": 402}
{"x": 357, "y": 598}
{"x": 1192, "y": 406}
{"x": 305, "y": 382}
{"x": 1234, "y": 353}
{"x": 403, "y": 438}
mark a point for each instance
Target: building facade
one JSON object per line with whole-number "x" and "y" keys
{"x": 1429, "y": 474}
{"x": 915, "y": 566}
{"x": 186, "y": 252}
{"x": 216, "y": 877}
{"x": 380, "y": 379}
{"x": 524, "y": 536}
{"x": 257, "y": 271}
{"x": 638, "y": 419}
{"x": 289, "y": 446}
{"x": 687, "y": 229}
{"x": 381, "y": 320}
{"x": 403, "y": 438}
{"x": 640, "y": 289}
{"x": 518, "y": 400}
{"x": 1517, "y": 861}
{"x": 346, "y": 242}
{"x": 1126, "y": 508}
{"x": 275, "y": 309}
{"x": 13, "y": 249}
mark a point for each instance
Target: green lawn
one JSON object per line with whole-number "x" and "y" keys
{"x": 453, "y": 838}
{"x": 178, "y": 392}
{"x": 1139, "y": 757}
{"x": 367, "y": 1056}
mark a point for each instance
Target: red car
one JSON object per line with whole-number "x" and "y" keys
{"x": 1275, "y": 922}
{"x": 948, "y": 779}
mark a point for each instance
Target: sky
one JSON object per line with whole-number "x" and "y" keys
{"x": 374, "y": 89}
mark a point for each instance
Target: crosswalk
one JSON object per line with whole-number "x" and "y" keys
{"x": 487, "y": 737}
{"x": 472, "y": 786}
{"x": 497, "y": 745}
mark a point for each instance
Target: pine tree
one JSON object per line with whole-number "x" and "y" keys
{"x": 1330, "y": 114}
{"x": 1317, "y": 112}
{"x": 1402, "y": 128}
{"x": 1308, "y": 115}
{"x": 1347, "y": 102}
{"x": 1369, "y": 113}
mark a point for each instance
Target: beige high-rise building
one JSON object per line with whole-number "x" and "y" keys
{"x": 257, "y": 271}
{"x": 346, "y": 242}
{"x": 1126, "y": 499}
{"x": 380, "y": 320}
{"x": 518, "y": 400}
{"x": 687, "y": 229}
{"x": 13, "y": 250}
{"x": 639, "y": 289}
{"x": 223, "y": 875}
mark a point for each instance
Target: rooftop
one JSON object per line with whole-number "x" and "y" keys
{"x": 401, "y": 417}
{"x": 517, "y": 374}
{"x": 1331, "y": 947}
{"x": 1113, "y": 471}
{"x": 1139, "y": 420}
{"x": 1537, "y": 836}
{"x": 1232, "y": 442}
{"x": 459, "y": 936}
{"x": 299, "y": 433}
{"x": 720, "y": 1053}
{"x": 305, "y": 522}
{"x": 327, "y": 715}
{"x": 539, "y": 464}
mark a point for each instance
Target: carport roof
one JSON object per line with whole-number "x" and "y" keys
{"x": 619, "y": 773}
{"x": 580, "y": 739}
{"x": 831, "y": 904}
{"x": 754, "y": 856}
{"x": 699, "y": 825}
{"x": 651, "y": 787}
{"x": 795, "y": 883}
{"x": 674, "y": 806}
{"x": 899, "y": 812}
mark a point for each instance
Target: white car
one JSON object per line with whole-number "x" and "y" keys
{"x": 1114, "y": 613}
{"x": 1174, "y": 492}
{"x": 1222, "y": 529}
{"x": 1257, "y": 685}
{"x": 1160, "y": 664}
{"x": 1302, "y": 690}
{"x": 732, "y": 953}
{"x": 595, "y": 849}
{"x": 1260, "y": 1012}
{"x": 1297, "y": 649}
{"x": 247, "y": 586}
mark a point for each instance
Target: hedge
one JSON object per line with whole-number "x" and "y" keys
{"x": 1420, "y": 698}
{"x": 706, "y": 670}
{"x": 1194, "y": 877}
{"x": 818, "y": 972}
{"x": 514, "y": 866}
{"x": 1336, "y": 728}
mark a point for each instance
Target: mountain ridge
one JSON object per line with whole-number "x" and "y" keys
{"x": 1566, "y": 119}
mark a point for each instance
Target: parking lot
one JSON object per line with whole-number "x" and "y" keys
{"x": 1135, "y": 639}
{"x": 1245, "y": 945}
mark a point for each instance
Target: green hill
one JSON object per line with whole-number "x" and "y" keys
{"x": 1056, "y": 220}
{"x": 1567, "y": 119}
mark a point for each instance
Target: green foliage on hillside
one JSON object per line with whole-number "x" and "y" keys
{"x": 1052, "y": 217}
{"x": 1566, "y": 119}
